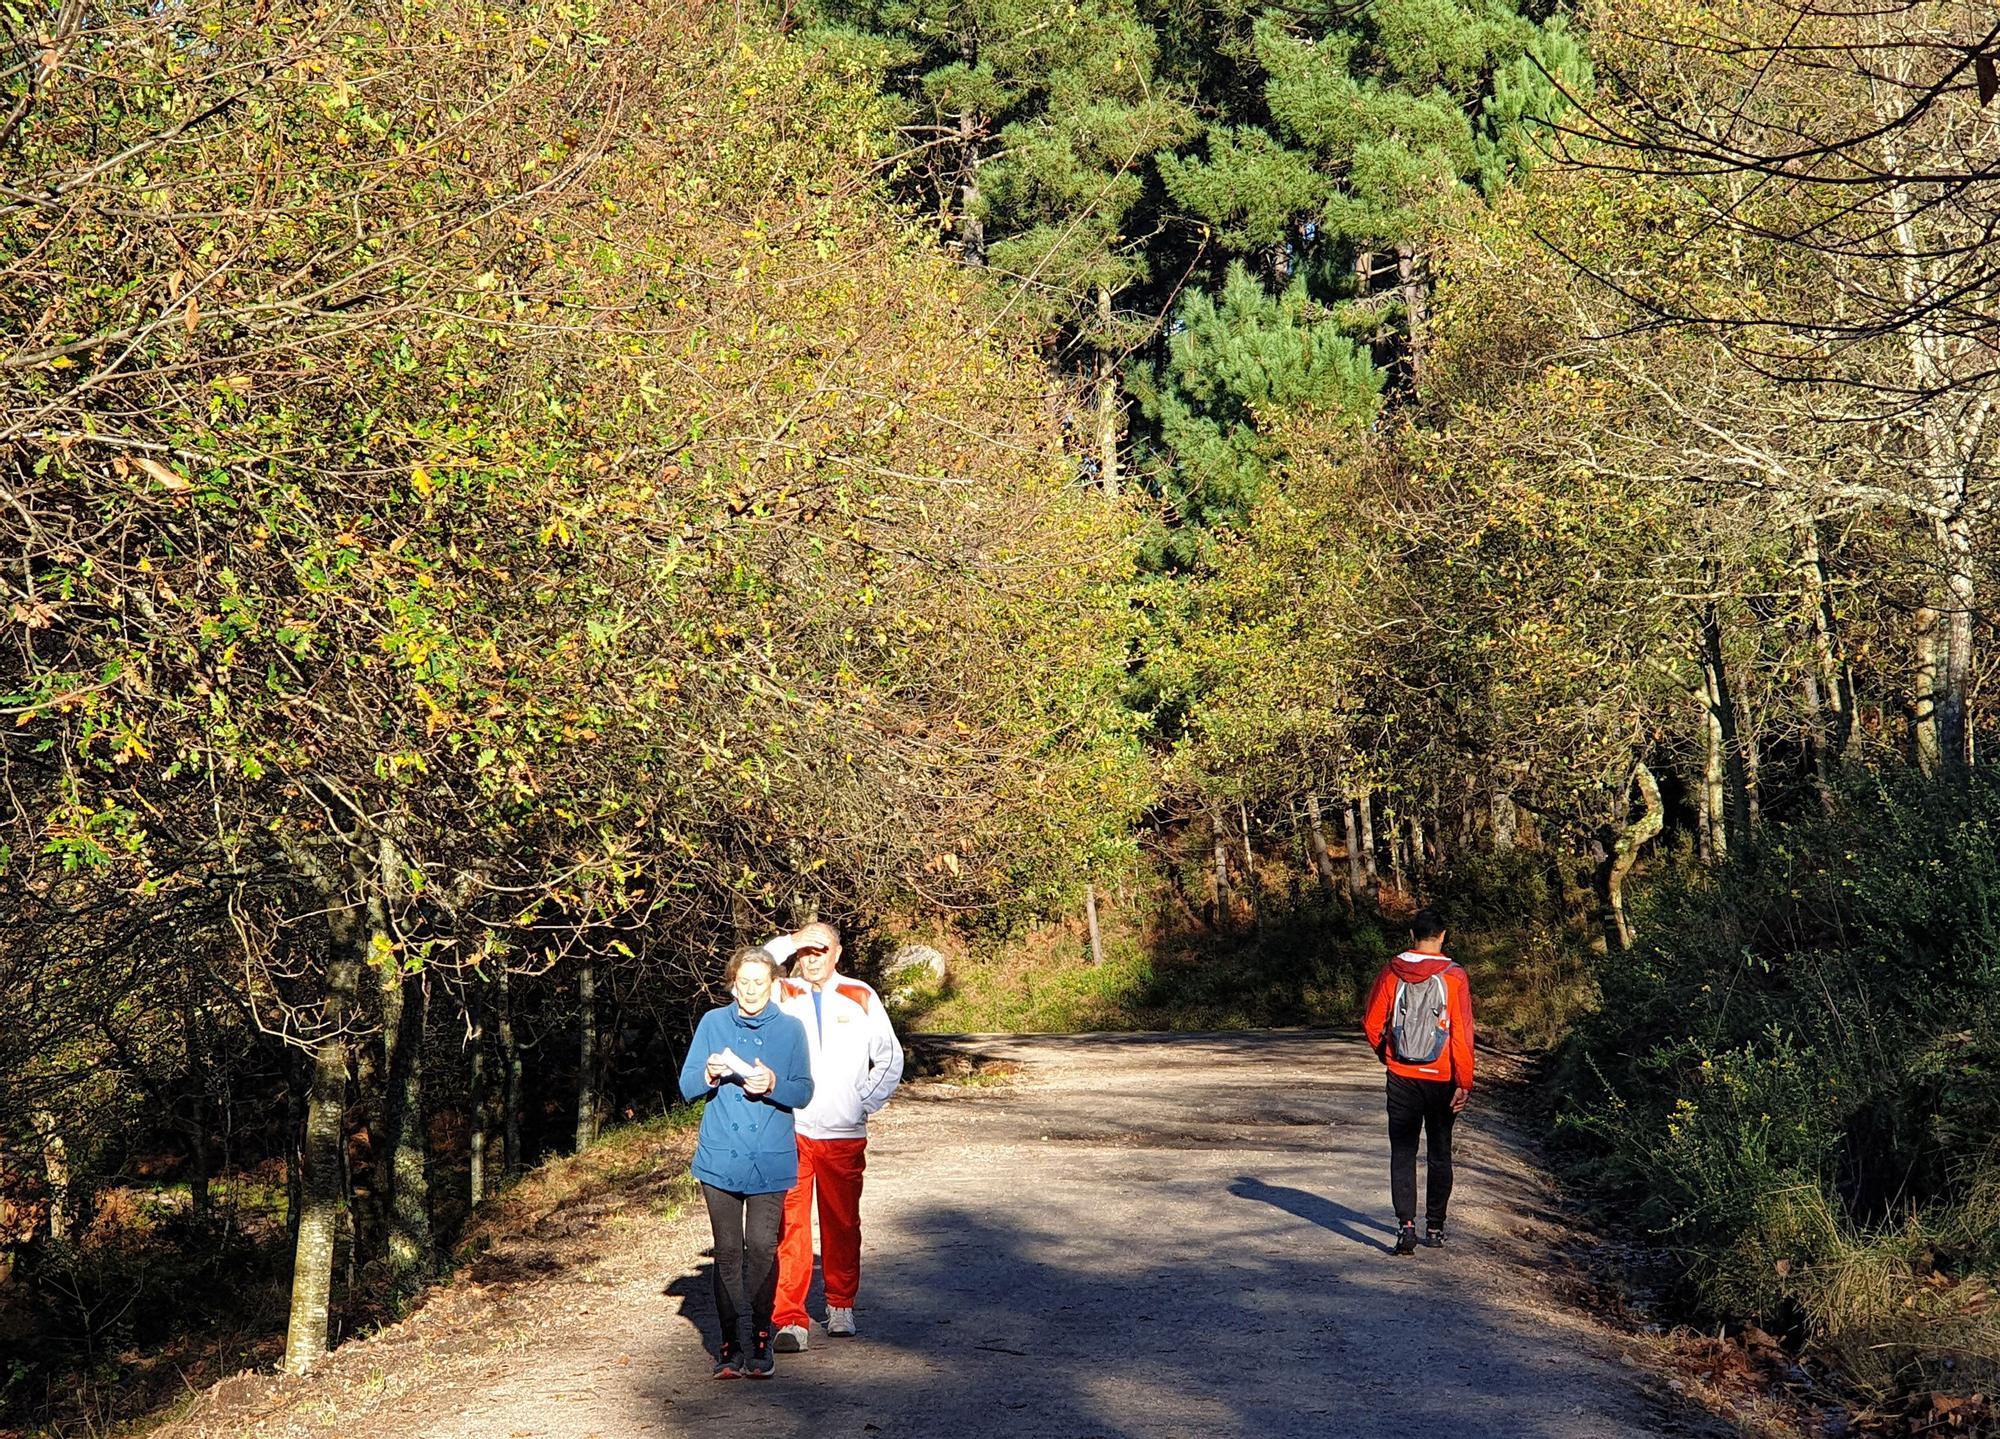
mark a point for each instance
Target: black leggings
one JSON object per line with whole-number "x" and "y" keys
{"x": 745, "y": 1227}
{"x": 1420, "y": 1106}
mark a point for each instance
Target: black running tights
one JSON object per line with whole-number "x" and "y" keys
{"x": 1420, "y": 1106}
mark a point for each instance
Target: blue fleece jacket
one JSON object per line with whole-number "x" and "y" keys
{"x": 746, "y": 1143}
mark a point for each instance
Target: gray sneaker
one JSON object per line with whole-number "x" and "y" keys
{"x": 840, "y": 1322}
{"x": 792, "y": 1339}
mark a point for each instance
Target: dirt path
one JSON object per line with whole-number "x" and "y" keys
{"x": 1140, "y": 1235}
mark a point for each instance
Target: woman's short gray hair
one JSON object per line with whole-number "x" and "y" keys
{"x": 748, "y": 954}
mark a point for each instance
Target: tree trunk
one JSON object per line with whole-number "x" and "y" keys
{"x": 1393, "y": 831}
{"x": 1416, "y": 854}
{"x": 1715, "y": 842}
{"x": 1834, "y": 682}
{"x": 402, "y": 1147}
{"x": 319, "y": 1211}
{"x": 410, "y": 1245}
{"x": 1752, "y": 780}
{"x": 1364, "y": 808}
{"x": 1411, "y": 284}
{"x": 1954, "y": 684}
{"x": 1620, "y": 850}
{"x": 1724, "y": 735}
{"x": 1506, "y": 819}
{"x": 55, "y": 1172}
{"x": 1322, "y": 857}
{"x": 1925, "y": 741}
{"x": 478, "y": 1101}
{"x": 1819, "y": 752}
{"x": 1222, "y": 898}
{"x": 1357, "y": 878}
{"x": 1941, "y": 736}
{"x": 586, "y": 1058}
{"x": 510, "y": 1073}
{"x": 369, "y": 1208}
{"x": 298, "y": 1081}
{"x": 1090, "y": 910}
{"x": 1252, "y": 887}
{"x": 197, "y": 1098}
{"x": 1110, "y": 414}
{"x": 971, "y": 228}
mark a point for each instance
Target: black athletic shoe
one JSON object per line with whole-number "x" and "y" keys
{"x": 1406, "y": 1239}
{"x": 1433, "y": 1239}
{"x": 729, "y": 1363}
{"x": 762, "y": 1365}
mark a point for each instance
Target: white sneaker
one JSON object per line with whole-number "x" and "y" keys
{"x": 791, "y": 1339}
{"x": 840, "y": 1322}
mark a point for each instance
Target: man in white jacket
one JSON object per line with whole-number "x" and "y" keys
{"x": 857, "y": 1063}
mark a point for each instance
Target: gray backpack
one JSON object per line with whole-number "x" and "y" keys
{"x": 1420, "y": 1023}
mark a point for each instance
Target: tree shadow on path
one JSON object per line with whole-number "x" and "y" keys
{"x": 979, "y": 1323}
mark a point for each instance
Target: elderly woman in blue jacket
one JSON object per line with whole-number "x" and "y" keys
{"x": 750, "y": 1062}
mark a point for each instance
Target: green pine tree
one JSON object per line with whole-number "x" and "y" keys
{"x": 1233, "y": 358}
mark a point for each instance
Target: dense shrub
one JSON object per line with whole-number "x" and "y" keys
{"x": 1794, "y": 1079}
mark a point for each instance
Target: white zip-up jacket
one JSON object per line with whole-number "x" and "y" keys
{"x": 857, "y": 1061}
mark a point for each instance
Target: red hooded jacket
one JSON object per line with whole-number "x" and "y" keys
{"x": 1455, "y": 1063}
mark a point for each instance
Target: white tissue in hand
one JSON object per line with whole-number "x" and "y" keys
{"x": 737, "y": 1064}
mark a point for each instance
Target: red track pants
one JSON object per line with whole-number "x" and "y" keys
{"x": 834, "y": 1167}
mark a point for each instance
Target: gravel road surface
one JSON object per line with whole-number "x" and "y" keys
{"x": 1137, "y": 1235}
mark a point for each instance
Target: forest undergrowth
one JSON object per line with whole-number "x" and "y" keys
{"x": 1792, "y": 1085}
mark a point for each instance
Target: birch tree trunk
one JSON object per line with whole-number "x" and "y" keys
{"x": 1949, "y": 444}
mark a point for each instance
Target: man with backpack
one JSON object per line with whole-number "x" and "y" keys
{"x": 1419, "y": 1021}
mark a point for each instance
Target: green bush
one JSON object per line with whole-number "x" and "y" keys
{"x": 1791, "y": 1080}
